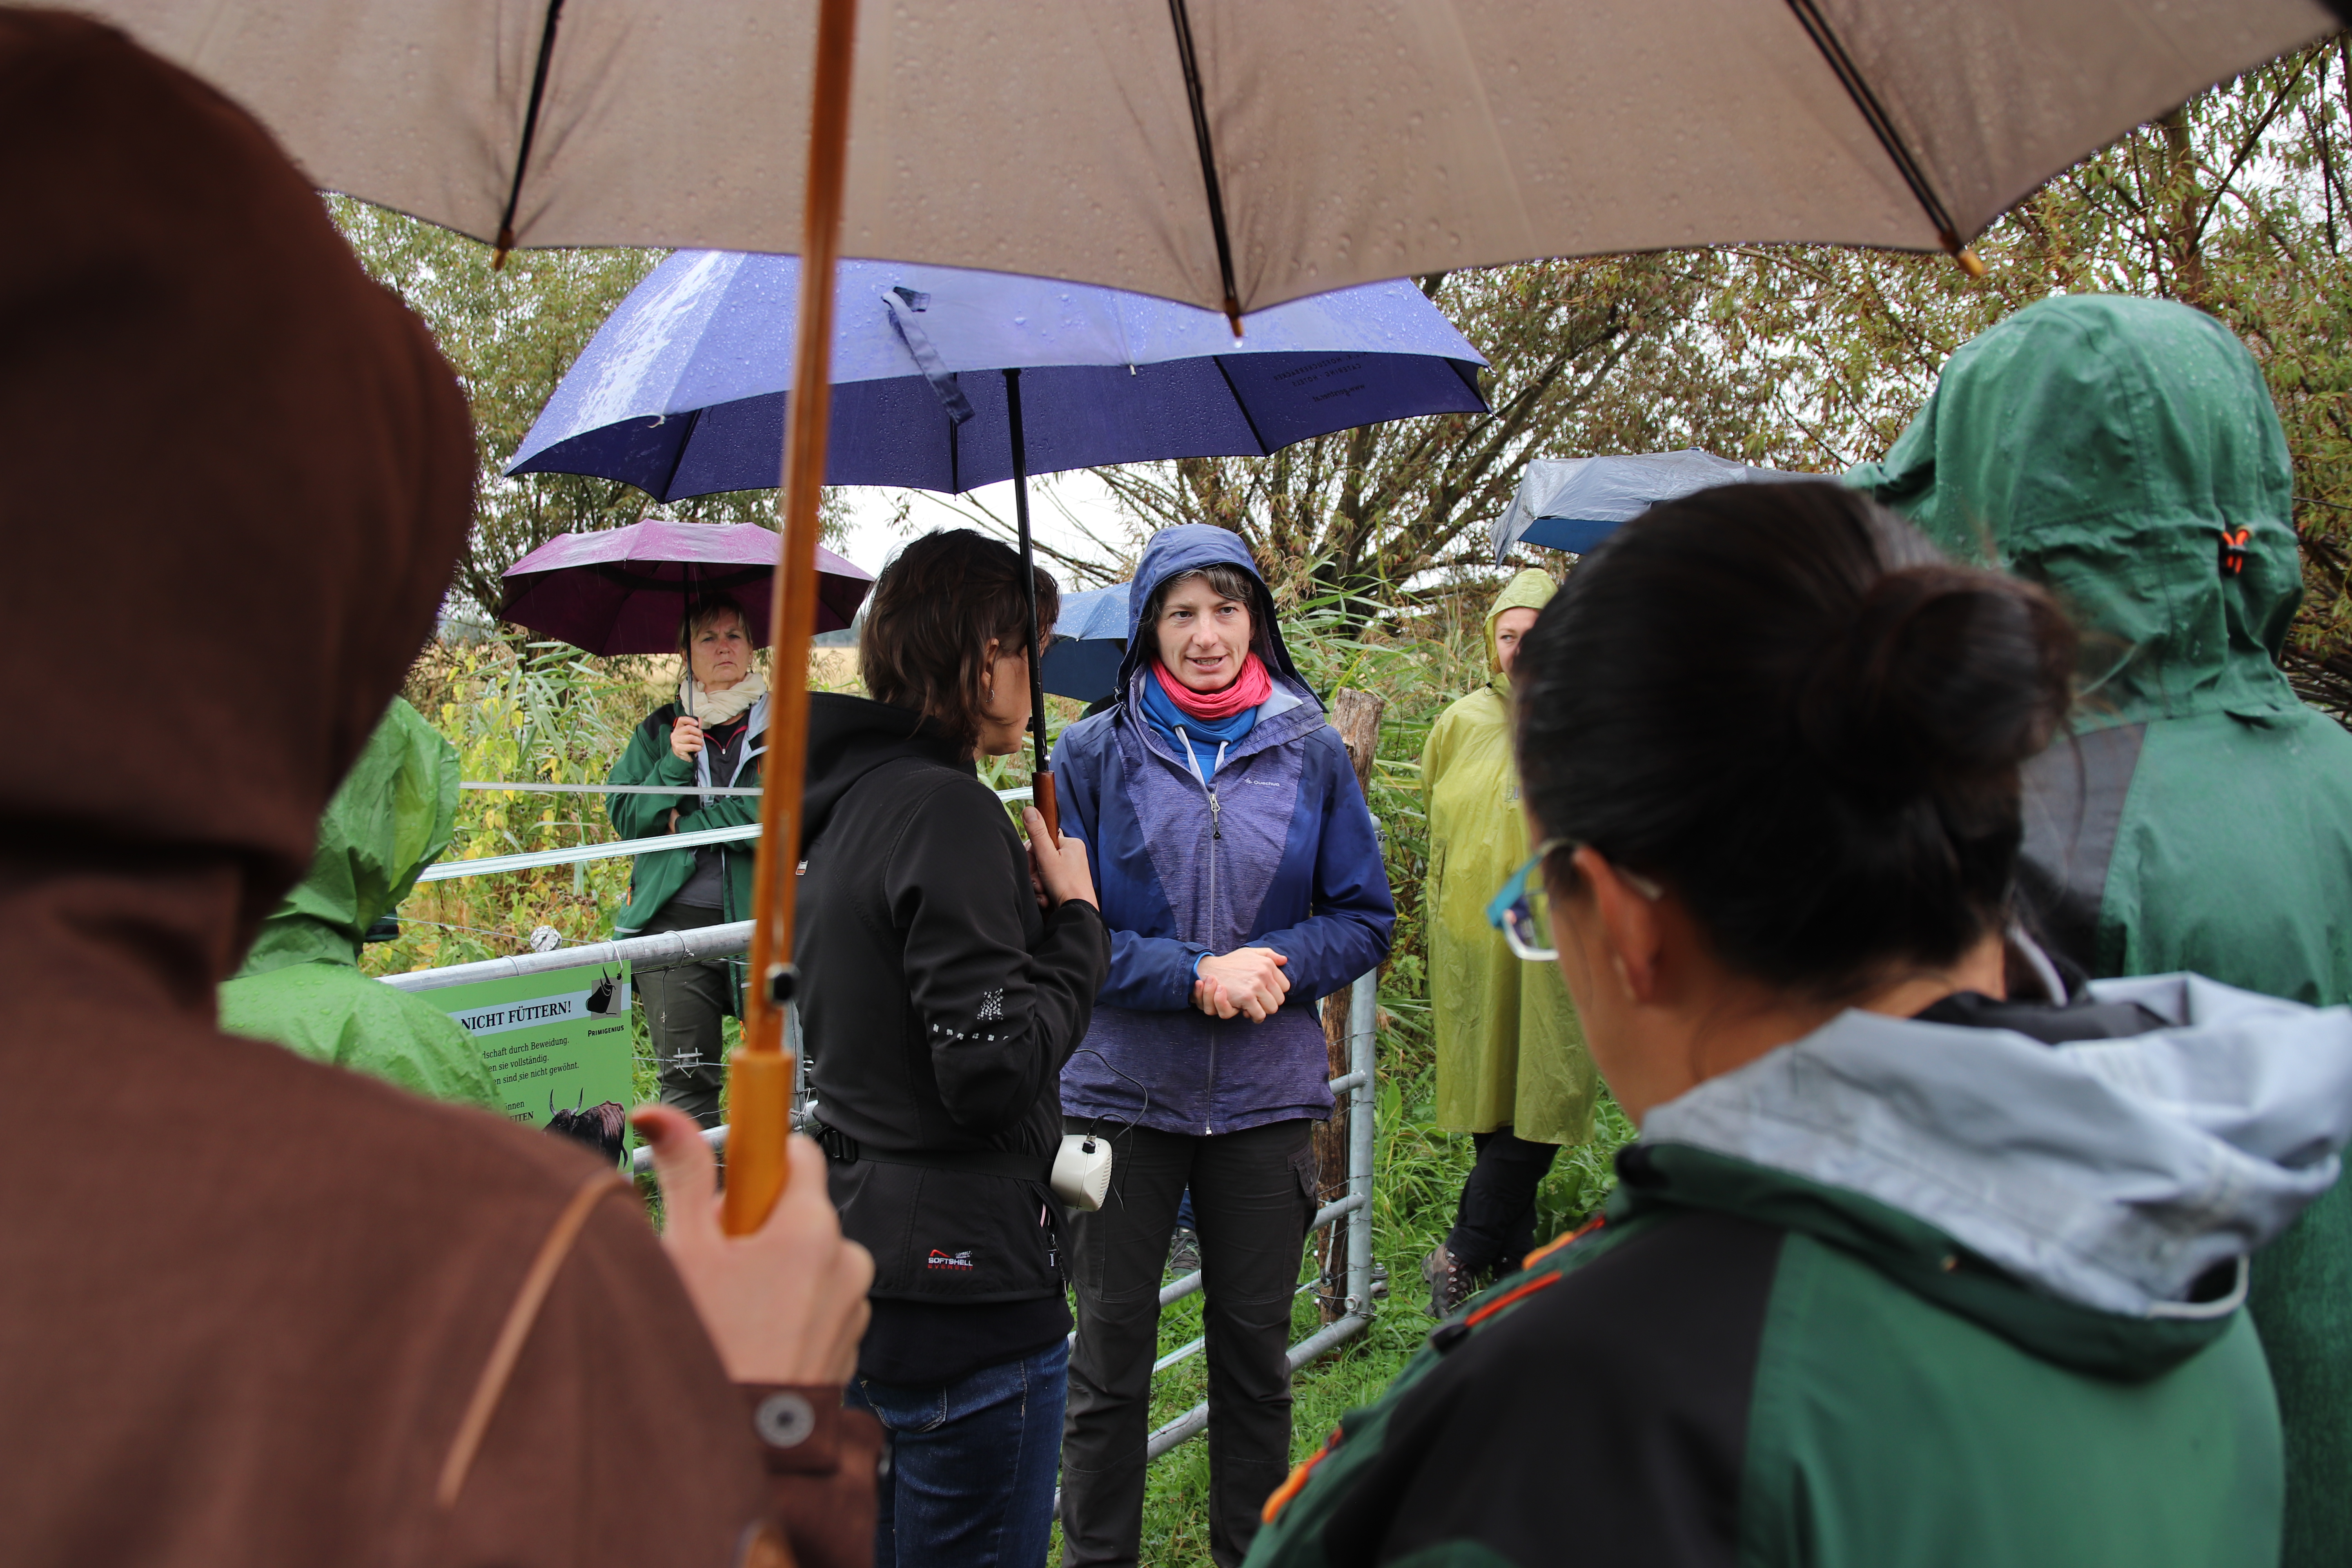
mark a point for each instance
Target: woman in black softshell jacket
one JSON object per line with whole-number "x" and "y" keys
{"x": 949, "y": 973}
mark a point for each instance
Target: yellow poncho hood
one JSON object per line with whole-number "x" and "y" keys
{"x": 1530, "y": 590}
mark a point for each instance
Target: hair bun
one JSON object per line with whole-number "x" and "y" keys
{"x": 1779, "y": 701}
{"x": 1945, "y": 681}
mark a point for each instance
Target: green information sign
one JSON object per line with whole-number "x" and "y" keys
{"x": 556, "y": 1041}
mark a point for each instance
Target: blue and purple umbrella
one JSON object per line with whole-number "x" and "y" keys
{"x": 945, "y": 379}
{"x": 682, "y": 392}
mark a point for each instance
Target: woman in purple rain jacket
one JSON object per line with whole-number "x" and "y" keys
{"x": 1240, "y": 873}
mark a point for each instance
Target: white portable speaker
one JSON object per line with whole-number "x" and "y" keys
{"x": 1082, "y": 1170}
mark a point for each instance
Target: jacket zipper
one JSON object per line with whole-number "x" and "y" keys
{"x": 1216, "y": 836}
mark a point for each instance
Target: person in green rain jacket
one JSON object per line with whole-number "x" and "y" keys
{"x": 2125, "y": 453}
{"x": 1512, "y": 1070}
{"x": 302, "y": 985}
{"x": 712, "y": 737}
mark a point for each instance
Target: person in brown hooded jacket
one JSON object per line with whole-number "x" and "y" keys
{"x": 249, "y": 1304}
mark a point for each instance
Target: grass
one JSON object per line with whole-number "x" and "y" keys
{"x": 1417, "y": 1176}
{"x": 522, "y": 710}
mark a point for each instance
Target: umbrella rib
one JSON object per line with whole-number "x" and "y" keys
{"x": 1178, "y": 15}
{"x": 1882, "y": 125}
{"x": 529, "y": 132}
{"x": 669, "y": 480}
{"x": 1247, "y": 418}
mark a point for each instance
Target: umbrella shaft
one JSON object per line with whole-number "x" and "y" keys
{"x": 1046, "y": 805}
{"x": 755, "y": 1160}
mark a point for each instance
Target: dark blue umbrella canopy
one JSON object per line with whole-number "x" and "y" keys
{"x": 682, "y": 392}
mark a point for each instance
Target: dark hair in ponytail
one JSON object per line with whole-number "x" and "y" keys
{"x": 1784, "y": 703}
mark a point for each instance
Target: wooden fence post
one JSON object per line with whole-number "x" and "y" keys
{"x": 1357, "y": 716}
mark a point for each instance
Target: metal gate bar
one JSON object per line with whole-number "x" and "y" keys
{"x": 1356, "y": 1084}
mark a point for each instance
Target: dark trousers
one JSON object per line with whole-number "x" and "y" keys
{"x": 1253, "y": 1195}
{"x": 683, "y": 1008}
{"x": 971, "y": 1483}
{"x": 1497, "y": 1221}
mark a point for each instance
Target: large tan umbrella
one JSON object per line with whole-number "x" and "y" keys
{"x": 1140, "y": 143}
{"x": 1232, "y": 153}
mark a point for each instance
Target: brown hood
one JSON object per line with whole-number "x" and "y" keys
{"x": 246, "y": 1300}
{"x": 238, "y": 477}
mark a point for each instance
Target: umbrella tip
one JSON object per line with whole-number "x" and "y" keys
{"x": 1233, "y": 316}
{"x": 1966, "y": 255}
{"x": 498, "y": 252}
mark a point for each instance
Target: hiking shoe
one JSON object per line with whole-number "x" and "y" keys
{"x": 1185, "y": 1251}
{"x": 1450, "y": 1282}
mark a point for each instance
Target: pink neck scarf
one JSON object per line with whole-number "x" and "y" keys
{"x": 1252, "y": 687}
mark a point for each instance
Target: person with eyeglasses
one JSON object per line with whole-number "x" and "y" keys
{"x": 1512, "y": 1069}
{"x": 1918, "y": 1260}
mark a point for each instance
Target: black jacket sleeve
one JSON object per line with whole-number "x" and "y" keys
{"x": 990, "y": 979}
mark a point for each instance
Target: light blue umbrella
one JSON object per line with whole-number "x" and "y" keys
{"x": 1089, "y": 640}
{"x": 1574, "y": 503}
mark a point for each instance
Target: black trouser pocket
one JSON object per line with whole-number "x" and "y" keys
{"x": 1302, "y": 1166}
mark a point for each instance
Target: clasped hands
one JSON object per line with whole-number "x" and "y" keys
{"x": 1248, "y": 981}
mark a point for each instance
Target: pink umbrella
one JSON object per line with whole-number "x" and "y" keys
{"x": 622, "y": 590}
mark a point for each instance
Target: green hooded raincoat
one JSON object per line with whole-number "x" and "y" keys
{"x": 302, "y": 985}
{"x": 2201, "y": 817}
{"x": 1510, "y": 1052}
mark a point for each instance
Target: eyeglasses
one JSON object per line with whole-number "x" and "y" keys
{"x": 1509, "y": 913}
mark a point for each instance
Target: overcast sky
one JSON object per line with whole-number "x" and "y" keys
{"x": 1063, "y": 509}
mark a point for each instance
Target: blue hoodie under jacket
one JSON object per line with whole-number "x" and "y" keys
{"x": 1277, "y": 850}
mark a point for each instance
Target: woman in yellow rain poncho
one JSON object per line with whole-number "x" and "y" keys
{"x": 1511, "y": 1066}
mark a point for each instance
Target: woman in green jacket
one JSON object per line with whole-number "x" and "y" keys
{"x": 1914, "y": 1264}
{"x": 1512, "y": 1069}
{"x": 711, "y": 738}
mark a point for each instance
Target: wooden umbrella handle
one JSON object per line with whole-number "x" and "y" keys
{"x": 1048, "y": 807}
{"x": 760, "y": 1074}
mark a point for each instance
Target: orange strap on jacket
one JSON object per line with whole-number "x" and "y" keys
{"x": 1566, "y": 1239}
{"x": 1296, "y": 1481}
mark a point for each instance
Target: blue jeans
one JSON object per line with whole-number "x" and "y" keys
{"x": 973, "y": 1465}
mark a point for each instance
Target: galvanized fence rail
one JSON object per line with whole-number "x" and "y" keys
{"x": 1353, "y": 1090}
